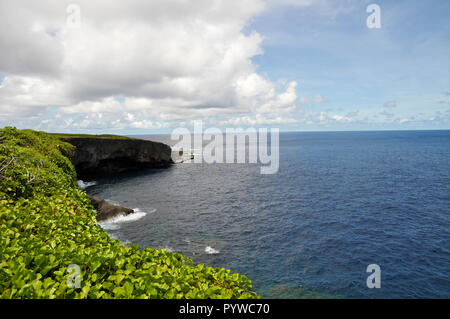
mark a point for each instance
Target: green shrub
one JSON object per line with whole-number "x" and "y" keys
{"x": 47, "y": 224}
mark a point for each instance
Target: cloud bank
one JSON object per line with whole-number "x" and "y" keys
{"x": 143, "y": 64}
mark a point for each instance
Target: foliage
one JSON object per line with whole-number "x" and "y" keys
{"x": 47, "y": 224}
{"x": 104, "y": 136}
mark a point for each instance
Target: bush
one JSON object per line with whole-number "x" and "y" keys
{"x": 47, "y": 224}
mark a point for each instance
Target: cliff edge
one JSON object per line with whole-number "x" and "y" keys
{"x": 95, "y": 157}
{"x": 47, "y": 226}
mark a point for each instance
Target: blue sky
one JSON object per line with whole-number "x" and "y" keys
{"x": 299, "y": 65}
{"x": 358, "y": 69}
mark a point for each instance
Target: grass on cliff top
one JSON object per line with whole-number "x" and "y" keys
{"x": 101, "y": 136}
{"x": 52, "y": 247}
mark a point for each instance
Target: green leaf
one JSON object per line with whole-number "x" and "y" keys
{"x": 128, "y": 287}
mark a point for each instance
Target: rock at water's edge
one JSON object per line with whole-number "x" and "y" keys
{"x": 106, "y": 210}
{"x": 95, "y": 157}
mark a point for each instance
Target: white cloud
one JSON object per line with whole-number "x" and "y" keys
{"x": 341, "y": 118}
{"x": 386, "y": 115}
{"x": 317, "y": 99}
{"x": 168, "y": 60}
{"x": 145, "y": 124}
{"x": 294, "y": 3}
{"x": 28, "y": 96}
{"x": 390, "y": 104}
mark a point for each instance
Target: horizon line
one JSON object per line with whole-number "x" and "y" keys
{"x": 326, "y": 131}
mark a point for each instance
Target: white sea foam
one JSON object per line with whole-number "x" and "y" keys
{"x": 114, "y": 223}
{"x": 211, "y": 251}
{"x": 127, "y": 218}
{"x": 84, "y": 185}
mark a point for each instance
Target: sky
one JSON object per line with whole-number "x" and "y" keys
{"x": 149, "y": 67}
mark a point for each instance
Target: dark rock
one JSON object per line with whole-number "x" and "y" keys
{"x": 106, "y": 210}
{"x": 96, "y": 157}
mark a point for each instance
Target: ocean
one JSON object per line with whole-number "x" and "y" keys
{"x": 339, "y": 202}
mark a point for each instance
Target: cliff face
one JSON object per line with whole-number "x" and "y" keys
{"x": 101, "y": 157}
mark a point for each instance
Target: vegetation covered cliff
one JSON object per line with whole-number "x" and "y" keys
{"x": 47, "y": 224}
{"x": 95, "y": 156}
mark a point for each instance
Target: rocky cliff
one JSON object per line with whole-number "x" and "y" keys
{"x": 95, "y": 157}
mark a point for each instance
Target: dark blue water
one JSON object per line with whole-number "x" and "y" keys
{"x": 340, "y": 202}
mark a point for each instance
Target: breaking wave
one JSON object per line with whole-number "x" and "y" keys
{"x": 84, "y": 185}
{"x": 114, "y": 223}
{"x": 211, "y": 251}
